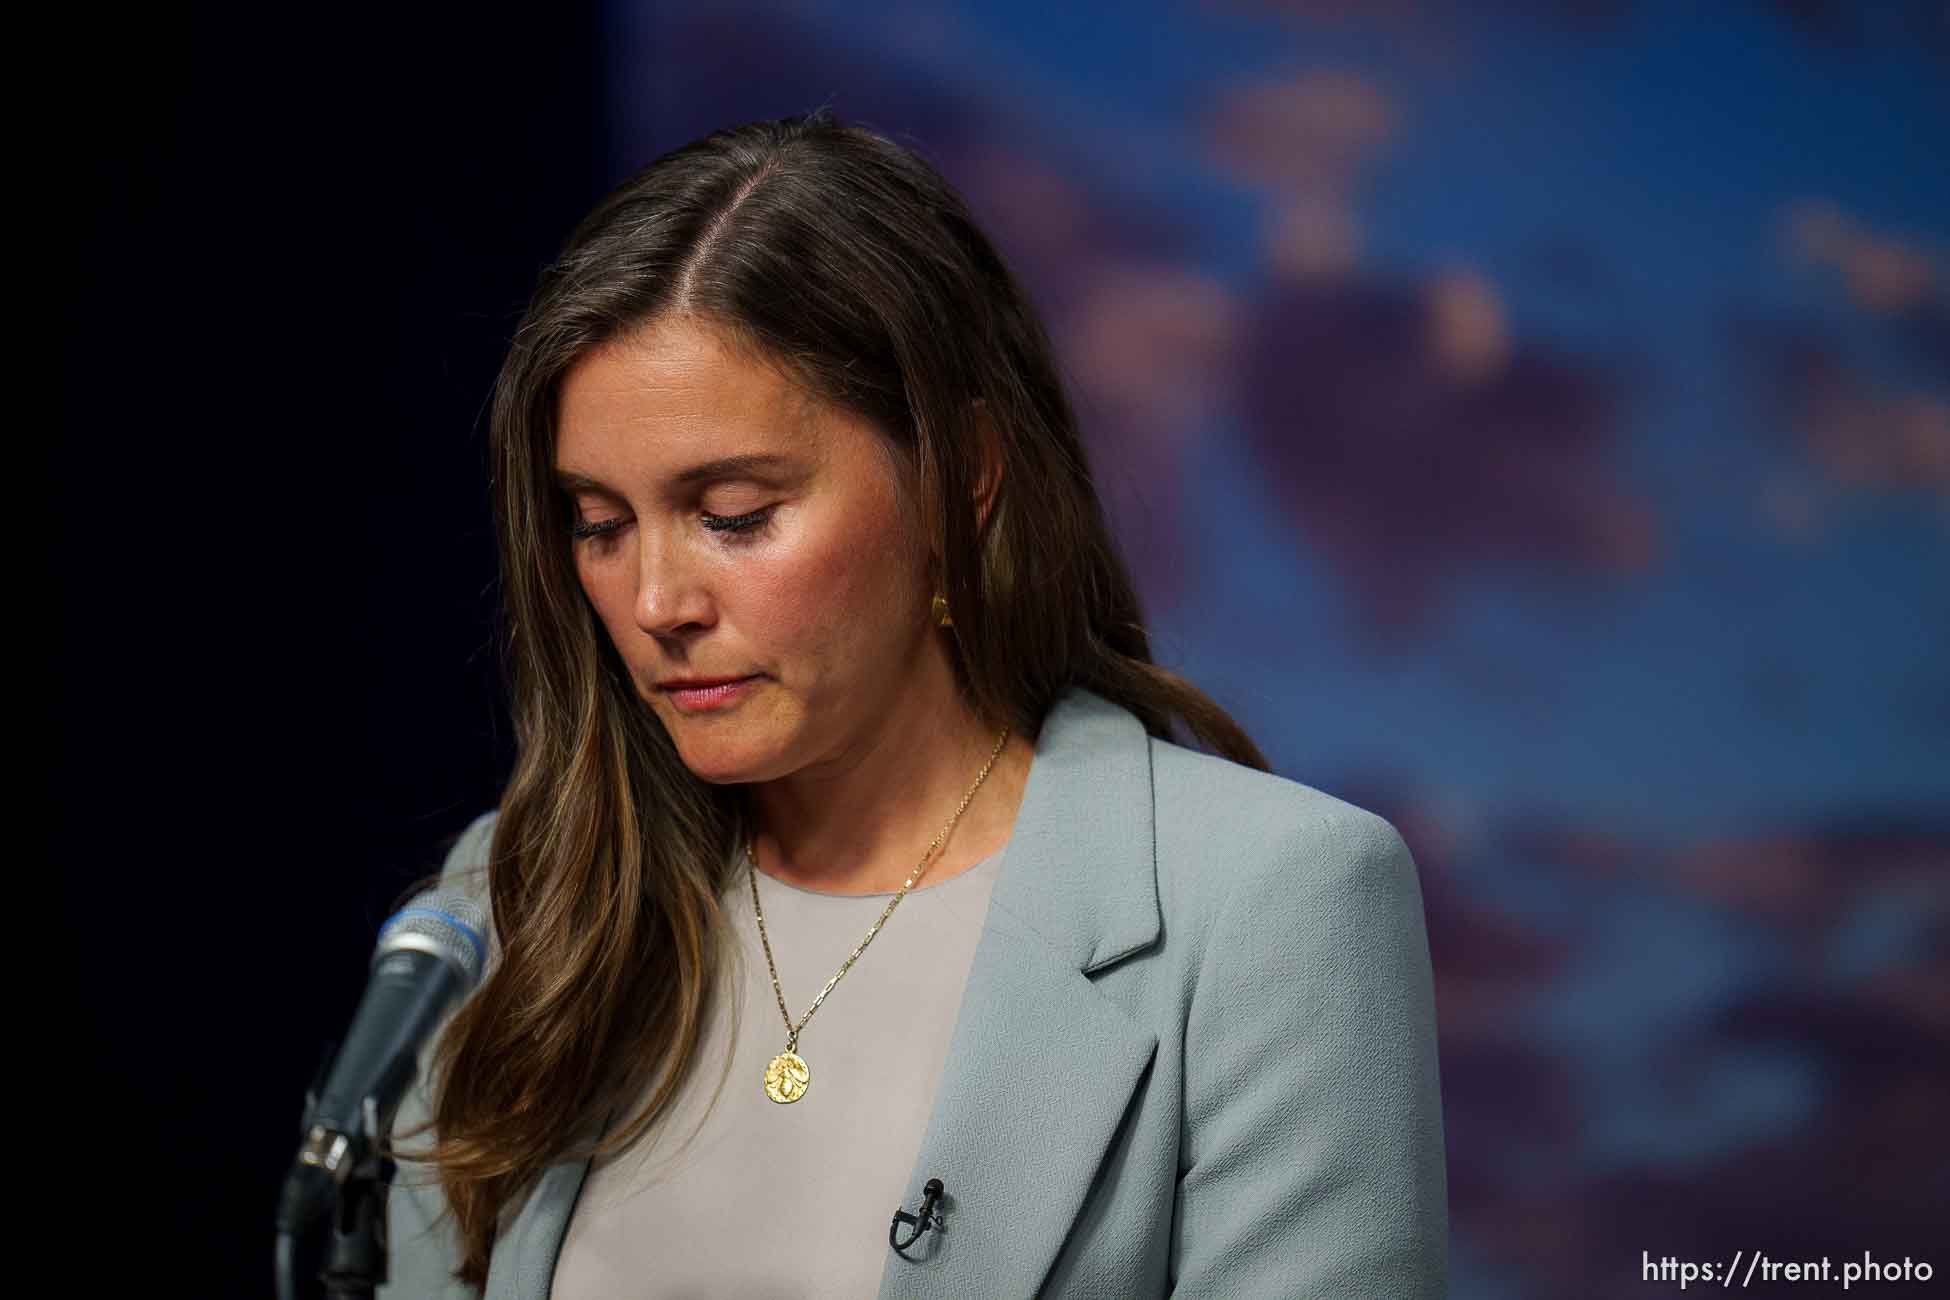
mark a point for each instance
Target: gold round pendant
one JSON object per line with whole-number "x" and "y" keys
{"x": 786, "y": 1077}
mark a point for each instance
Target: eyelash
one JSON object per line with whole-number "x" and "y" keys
{"x": 740, "y": 527}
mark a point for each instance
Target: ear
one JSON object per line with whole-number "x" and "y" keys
{"x": 992, "y": 460}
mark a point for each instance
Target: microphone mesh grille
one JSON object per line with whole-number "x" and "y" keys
{"x": 451, "y": 922}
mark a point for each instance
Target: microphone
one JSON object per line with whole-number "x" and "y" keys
{"x": 930, "y": 1217}
{"x": 430, "y": 954}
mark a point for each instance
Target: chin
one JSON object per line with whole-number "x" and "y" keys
{"x": 719, "y": 762}
{"x": 713, "y": 768}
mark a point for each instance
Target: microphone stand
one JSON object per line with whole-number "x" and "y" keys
{"x": 355, "y": 1259}
{"x": 352, "y": 1196}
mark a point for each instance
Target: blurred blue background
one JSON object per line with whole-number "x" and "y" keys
{"x": 1531, "y": 419}
{"x": 1533, "y": 422}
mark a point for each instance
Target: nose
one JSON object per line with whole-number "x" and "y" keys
{"x": 672, "y": 593}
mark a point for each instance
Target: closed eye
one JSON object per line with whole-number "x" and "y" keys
{"x": 738, "y": 523}
{"x": 738, "y": 527}
{"x": 582, "y": 529}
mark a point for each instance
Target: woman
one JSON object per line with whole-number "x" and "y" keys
{"x": 833, "y": 696}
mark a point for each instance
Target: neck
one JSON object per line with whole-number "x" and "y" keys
{"x": 860, "y": 819}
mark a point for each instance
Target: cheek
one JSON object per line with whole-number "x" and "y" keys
{"x": 611, "y": 592}
{"x": 843, "y": 588}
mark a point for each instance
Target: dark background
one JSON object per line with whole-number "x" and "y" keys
{"x": 1531, "y": 419}
{"x": 305, "y": 242}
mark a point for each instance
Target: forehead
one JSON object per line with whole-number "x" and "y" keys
{"x": 677, "y": 389}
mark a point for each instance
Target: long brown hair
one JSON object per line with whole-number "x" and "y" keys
{"x": 844, "y": 258}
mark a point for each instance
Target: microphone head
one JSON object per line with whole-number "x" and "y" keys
{"x": 444, "y": 922}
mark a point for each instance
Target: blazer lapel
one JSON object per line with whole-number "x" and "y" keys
{"x": 1040, "y": 1066}
{"x": 522, "y": 1264}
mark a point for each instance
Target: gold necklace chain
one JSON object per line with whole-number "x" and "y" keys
{"x": 787, "y": 1075}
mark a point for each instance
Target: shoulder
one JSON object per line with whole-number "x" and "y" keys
{"x": 465, "y": 868}
{"x": 1253, "y": 816}
{"x": 1312, "y": 1151}
{"x": 1228, "y": 835}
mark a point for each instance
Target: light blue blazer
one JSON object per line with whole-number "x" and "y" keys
{"x": 1196, "y": 1054}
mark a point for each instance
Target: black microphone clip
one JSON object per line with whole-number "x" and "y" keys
{"x": 930, "y": 1217}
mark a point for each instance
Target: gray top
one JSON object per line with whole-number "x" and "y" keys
{"x": 795, "y": 1199}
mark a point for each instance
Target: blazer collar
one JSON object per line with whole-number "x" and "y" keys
{"x": 1040, "y": 1065}
{"x": 1079, "y": 866}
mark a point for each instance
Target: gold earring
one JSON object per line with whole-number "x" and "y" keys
{"x": 941, "y": 618}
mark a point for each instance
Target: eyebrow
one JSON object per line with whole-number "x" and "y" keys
{"x": 708, "y": 472}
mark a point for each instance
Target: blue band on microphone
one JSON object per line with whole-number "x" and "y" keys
{"x": 473, "y": 937}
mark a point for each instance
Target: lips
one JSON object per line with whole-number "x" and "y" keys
{"x": 697, "y": 683}
{"x": 708, "y": 699}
